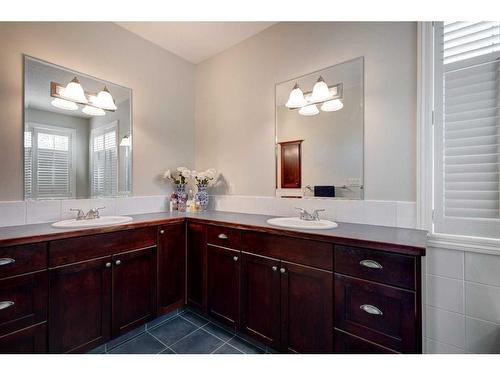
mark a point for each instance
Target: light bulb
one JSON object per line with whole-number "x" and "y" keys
{"x": 309, "y": 110}
{"x": 296, "y": 98}
{"x": 64, "y": 104}
{"x": 320, "y": 92}
{"x": 93, "y": 111}
{"x": 332, "y": 105}
{"x": 104, "y": 100}
{"x": 74, "y": 91}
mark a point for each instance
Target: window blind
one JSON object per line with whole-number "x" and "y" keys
{"x": 48, "y": 162}
{"x": 104, "y": 162}
{"x": 468, "y": 55}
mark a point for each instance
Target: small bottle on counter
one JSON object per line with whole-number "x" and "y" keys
{"x": 173, "y": 202}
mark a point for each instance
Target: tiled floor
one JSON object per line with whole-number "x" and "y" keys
{"x": 181, "y": 332}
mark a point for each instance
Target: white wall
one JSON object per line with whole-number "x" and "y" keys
{"x": 235, "y": 102}
{"x": 162, "y": 84}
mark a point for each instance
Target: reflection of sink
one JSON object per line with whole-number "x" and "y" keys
{"x": 297, "y": 223}
{"x": 101, "y": 222}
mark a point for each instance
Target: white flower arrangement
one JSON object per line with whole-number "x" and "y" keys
{"x": 204, "y": 178}
{"x": 180, "y": 176}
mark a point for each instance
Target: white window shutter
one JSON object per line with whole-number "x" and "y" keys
{"x": 467, "y": 157}
{"x": 104, "y": 168}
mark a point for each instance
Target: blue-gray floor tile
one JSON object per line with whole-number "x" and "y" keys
{"x": 173, "y": 330}
{"x": 221, "y": 333}
{"x": 143, "y": 344}
{"x": 245, "y": 346}
{"x": 199, "y": 342}
{"x": 161, "y": 319}
{"x": 227, "y": 349}
{"x": 127, "y": 336}
{"x": 194, "y": 318}
{"x": 99, "y": 350}
{"x": 167, "y": 351}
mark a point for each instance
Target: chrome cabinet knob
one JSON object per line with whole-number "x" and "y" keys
{"x": 368, "y": 263}
{"x": 235, "y": 258}
{"x": 5, "y": 304}
{"x": 5, "y": 261}
{"x": 162, "y": 231}
{"x": 370, "y": 309}
{"x": 274, "y": 268}
{"x": 282, "y": 270}
{"x": 108, "y": 265}
{"x": 118, "y": 262}
{"x": 222, "y": 236}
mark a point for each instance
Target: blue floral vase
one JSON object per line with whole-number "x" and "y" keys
{"x": 201, "y": 196}
{"x": 182, "y": 197}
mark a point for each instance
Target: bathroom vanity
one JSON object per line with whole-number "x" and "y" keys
{"x": 353, "y": 289}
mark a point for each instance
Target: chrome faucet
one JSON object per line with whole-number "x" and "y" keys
{"x": 304, "y": 215}
{"x": 92, "y": 214}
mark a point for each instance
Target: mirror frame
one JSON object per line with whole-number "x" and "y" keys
{"x": 23, "y": 119}
{"x": 276, "y": 148}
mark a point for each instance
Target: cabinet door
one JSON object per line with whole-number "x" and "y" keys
{"x": 196, "y": 258}
{"x": 223, "y": 292}
{"x": 306, "y": 309}
{"x": 31, "y": 340}
{"x": 79, "y": 306}
{"x": 260, "y": 298}
{"x": 134, "y": 289}
{"x": 171, "y": 266}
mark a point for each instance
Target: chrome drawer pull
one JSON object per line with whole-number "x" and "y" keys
{"x": 222, "y": 236}
{"x": 368, "y": 263}
{"x": 5, "y": 261}
{"x": 370, "y": 309}
{"x": 5, "y": 304}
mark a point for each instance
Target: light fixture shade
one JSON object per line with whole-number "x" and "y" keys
{"x": 296, "y": 98}
{"x": 104, "y": 100}
{"x": 320, "y": 92}
{"x": 74, "y": 91}
{"x": 309, "y": 110}
{"x": 126, "y": 141}
{"x": 93, "y": 111}
{"x": 332, "y": 105}
{"x": 64, "y": 104}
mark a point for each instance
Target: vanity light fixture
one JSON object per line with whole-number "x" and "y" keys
{"x": 104, "y": 100}
{"x": 332, "y": 105}
{"x": 93, "y": 111}
{"x": 320, "y": 92}
{"x": 64, "y": 104}
{"x": 74, "y": 92}
{"x": 126, "y": 141}
{"x": 309, "y": 110}
{"x": 296, "y": 98}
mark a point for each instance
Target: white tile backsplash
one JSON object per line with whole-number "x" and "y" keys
{"x": 482, "y": 268}
{"x": 444, "y": 262}
{"x": 482, "y": 336}
{"x": 43, "y": 211}
{"x": 446, "y": 327}
{"x": 482, "y": 301}
{"x": 445, "y": 293}
{"x": 141, "y": 205}
{"x": 12, "y": 213}
{"x": 436, "y": 347}
{"x": 406, "y": 214}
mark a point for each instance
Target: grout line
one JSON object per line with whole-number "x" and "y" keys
{"x": 447, "y": 310}
{"x": 444, "y": 343}
{"x": 157, "y": 339}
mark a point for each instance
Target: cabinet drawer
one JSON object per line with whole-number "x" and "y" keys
{"x": 310, "y": 253}
{"x": 223, "y": 236}
{"x": 378, "y": 313}
{"x": 31, "y": 340}
{"x": 349, "y": 344}
{"x": 393, "y": 269}
{"x": 23, "y": 301}
{"x": 99, "y": 245}
{"x": 15, "y": 260}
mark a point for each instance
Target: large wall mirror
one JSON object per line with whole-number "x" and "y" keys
{"x": 77, "y": 134}
{"x": 319, "y": 133}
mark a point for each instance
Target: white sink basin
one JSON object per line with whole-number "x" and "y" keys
{"x": 297, "y": 223}
{"x": 103, "y": 221}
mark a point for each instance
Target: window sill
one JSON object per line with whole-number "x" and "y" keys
{"x": 464, "y": 243}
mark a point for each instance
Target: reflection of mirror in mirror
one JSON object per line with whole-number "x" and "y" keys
{"x": 319, "y": 133}
{"x": 77, "y": 134}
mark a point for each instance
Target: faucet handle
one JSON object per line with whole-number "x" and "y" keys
{"x": 79, "y": 213}
{"x": 97, "y": 213}
{"x": 315, "y": 213}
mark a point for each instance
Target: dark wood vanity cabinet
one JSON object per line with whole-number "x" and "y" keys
{"x": 196, "y": 265}
{"x": 171, "y": 266}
